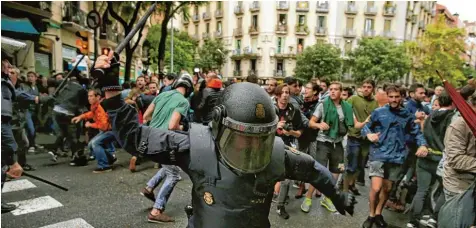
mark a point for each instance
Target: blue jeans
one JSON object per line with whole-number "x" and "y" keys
{"x": 171, "y": 173}
{"x": 353, "y": 151}
{"x": 9, "y": 146}
{"x": 30, "y": 128}
{"x": 103, "y": 148}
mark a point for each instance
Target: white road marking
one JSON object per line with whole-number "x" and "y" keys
{"x": 76, "y": 223}
{"x": 17, "y": 185}
{"x": 36, "y": 204}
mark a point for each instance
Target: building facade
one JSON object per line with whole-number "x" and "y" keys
{"x": 264, "y": 37}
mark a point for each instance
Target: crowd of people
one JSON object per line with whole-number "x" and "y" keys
{"x": 419, "y": 152}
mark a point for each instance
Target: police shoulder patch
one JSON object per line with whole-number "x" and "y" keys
{"x": 208, "y": 197}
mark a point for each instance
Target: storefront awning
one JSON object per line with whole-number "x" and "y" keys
{"x": 10, "y": 46}
{"x": 19, "y": 25}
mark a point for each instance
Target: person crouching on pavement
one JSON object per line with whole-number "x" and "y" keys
{"x": 102, "y": 144}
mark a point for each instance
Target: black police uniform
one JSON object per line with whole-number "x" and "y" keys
{"x": 221, "y": 195}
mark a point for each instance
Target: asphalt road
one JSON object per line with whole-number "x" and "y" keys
{"x": 113, "y": 200}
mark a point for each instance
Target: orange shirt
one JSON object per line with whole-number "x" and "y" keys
{"x": 97, "y": 113}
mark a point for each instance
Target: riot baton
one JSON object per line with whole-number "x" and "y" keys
{"x": 63, "y": 83}
{"x": 44, "y": 181}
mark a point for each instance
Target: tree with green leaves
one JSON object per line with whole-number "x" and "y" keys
{"x": 379, "y": 59}
{"x": 440, "y": 48}
{"x": 319, "y": 60}
{"x": 213, "y": 55}
{"x": 184, "y": 49}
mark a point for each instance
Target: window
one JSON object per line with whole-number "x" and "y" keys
{"x": 254, "y": 21}
{"x": 370, "y": 4}
{"x": 321, "y": 21}
{"x": 219, "y": 26}
{"x": 302, "y": 19}
{"x": 238, "y": 44}
{"x": 219, "y": 5}
{"x": 280, "y": 48}
{"x": 254, "y": 44}
{"x": 300, "y": 46}
{"x": 196, "y": 10}
{"x": 348, "y": 46}
{"x": 387, "y": 25}
{"x": 196, "y": 29}
{"x": 237, "y": 65}
{"x": 369, "y": 24}
{"x": 282, "y": 19}
{"x": 280, "y": 67}
{"x": 350, "y": 23}
{"x": 253, "y": 64}
{"x": 208, "y": 27}
{"x": 239, "y": 22}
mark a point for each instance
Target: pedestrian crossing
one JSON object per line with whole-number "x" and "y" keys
{"x": 42, "y": 203}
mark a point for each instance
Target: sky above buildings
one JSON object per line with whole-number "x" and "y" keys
{"x": 465, "y": 8}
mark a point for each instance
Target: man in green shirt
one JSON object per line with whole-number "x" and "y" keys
{"x": 166, "y": 112}
{"x": 357, "y": 146}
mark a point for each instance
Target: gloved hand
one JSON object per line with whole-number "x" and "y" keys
{"x": 343, "y": 202}
{"x": 106, "y": 72}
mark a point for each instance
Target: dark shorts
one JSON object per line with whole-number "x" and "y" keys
{"x": 331, "y": 155}
{"x": 388, "y": 171}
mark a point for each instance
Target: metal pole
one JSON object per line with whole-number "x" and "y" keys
{"x": 172, "y": 48}
{"x": 95, "y": 38}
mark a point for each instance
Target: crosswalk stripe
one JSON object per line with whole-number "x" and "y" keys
{"x": 76, "y": 223}
{"x": 36, "y": 204}
{"x": 17, "y": 185}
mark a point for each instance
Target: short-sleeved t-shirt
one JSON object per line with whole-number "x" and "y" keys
{"x": 165, "y": 105}
{"x": 319, "y": 114}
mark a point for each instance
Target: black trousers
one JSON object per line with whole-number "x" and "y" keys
{"x": 67, "y": 130}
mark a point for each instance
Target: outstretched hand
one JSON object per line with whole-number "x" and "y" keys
{"x": 104, "y": 61}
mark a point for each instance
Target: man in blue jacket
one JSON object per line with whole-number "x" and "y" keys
{"x": 387, "y": 130}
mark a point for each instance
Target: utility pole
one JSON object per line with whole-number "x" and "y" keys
{"x": 95, "y": 37}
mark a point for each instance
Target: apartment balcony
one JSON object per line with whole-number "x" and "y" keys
{"x": 251, "y": 53}
{"x": 237, "y": 73}
{"x": 302, "y": 30}
{"x": 414, "y": 18}
{"x": 349, "y": 33}
{"x": 321, "y": 31}
{"x": 368, "y": 33}
{"x": 322, "y": 7}
{"x": 205, "y": 36}
{"x": 252, "y": 73}
{"x": 219, "y": 13}
{"x": 218, "y": 34}
{"x": 409, "y": 15}
{"x": 389, "y": 11}
{"x": 281, "y": 54}
{"x": 236, "y": 54}
{"x": 302, "y": 6}
{"x": 279, "y": 73}
{"x": 351, "y": 9}
{"x": 254, "y": 7}
{"x": 253, "y": 30}
{"x": 74, "y": 19}
{"x": 206, "y": 16}
{"x": 282, "y": 6}
{"x": 239, "y": 10}
{"x": 238, "y": 32}
{"x": 370, "y": 11}
{"x": 196, "y": 18}
{"x": 388, "y": 34}
{"x": 42, "y": 9}
{"x": 281, "y": 29}
{"x": 111, "y": 36}
{"x": 422, "y": 25}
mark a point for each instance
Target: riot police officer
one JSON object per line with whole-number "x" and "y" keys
{"x": 233, "y": 163}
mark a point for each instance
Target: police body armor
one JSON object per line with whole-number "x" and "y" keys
{"x": 223, "y": 198}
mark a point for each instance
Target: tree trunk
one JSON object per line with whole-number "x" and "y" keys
{"x": 163, "y": 35}
{"x": 127, "y": 73}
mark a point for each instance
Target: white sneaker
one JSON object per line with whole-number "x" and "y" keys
{"x": 54, "y": 157}
{"x": 31, "y": 150}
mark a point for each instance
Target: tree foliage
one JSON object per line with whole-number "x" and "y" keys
{"x": 440, "y": 48}
{"x": 184, "y": 47}
{"x": 319, "y": 60}
{"x": 379, "y": 59}
{"x": 213, "y": 55}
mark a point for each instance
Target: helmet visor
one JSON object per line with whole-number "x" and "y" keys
{"x": 246, "y": 152}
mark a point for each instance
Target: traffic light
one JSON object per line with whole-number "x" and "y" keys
{"x": 82, "y": 42}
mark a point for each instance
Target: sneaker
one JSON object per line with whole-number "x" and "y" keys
{"x": 91, "y": 158}
{"x": 282, "y": 212}
{"x": 102, "y": 170}
{"x": 428, "y": 221}
{"x": 306, "y": 205}
{"x": 379, "y": 222}
{"x": 327, "y": 203}
{"x": 412, "y": 224}
{"x": 28, "y": 167}
{"x": 161, "y": 218}
{"x": 148, "y": 194}
{"x": 132, "y": 164}
{"x": 113, "y": 160}
{"x": 31, "y": 150}
{"x": 54, "y": 157}
{"x": 369, "y": 222}
{"x": 39, "y": 147}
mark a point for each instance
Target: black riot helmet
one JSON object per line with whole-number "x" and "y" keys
{"x": 185, "y": 81}
{"x": 244, "y": 127}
